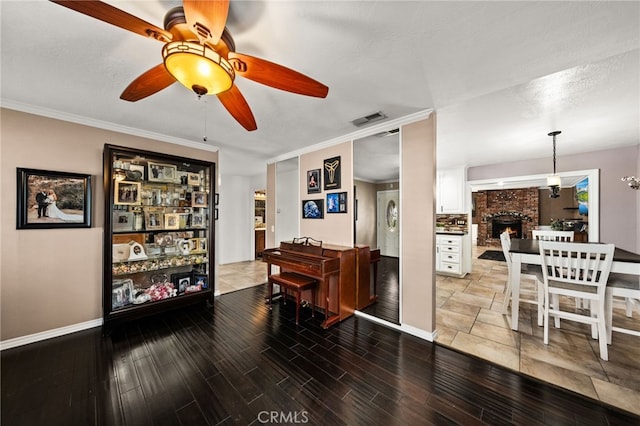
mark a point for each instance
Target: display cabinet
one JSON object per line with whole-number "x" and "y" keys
{"x": 159, "y": 233}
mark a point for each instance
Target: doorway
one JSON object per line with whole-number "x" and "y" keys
{"x": 388, "y": 225}
{"x": 376, "y": 171}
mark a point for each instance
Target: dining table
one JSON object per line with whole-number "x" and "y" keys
{"x": 527, "y": 251}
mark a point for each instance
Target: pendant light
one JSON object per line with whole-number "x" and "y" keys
{"x": 553, "y": 181}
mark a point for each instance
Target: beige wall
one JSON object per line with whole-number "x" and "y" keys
{"x": 336, "y": 228}
{"x": 366, "y": 232}
{"x": 270, "y": 235}
{"x": 418, "y": 176}
{"x": 52, "y": 278}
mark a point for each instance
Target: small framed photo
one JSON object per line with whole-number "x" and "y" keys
{"x": 120, "y": 252}
{"x": 313, "y": 181}
{"x": 197, "y": 220}
{"x": 126, "y": 193}
{"x": 201, "y": 281}
{"x": 215, "y": 214}
{"x": 122, "y": 221}
{"x": 153, "y": 220}
{"x": 199, "y": 199}
{"x": 121, "y": 293}
{"x": 193, "y": 179}
{"x": 337, "y": 202}
{"x": 181, "y": 281}
{"x": 52, "y": 199}
{"x": 134, "y": 172}
{"x": 312, "y": 209}
{"x": 216, "y": 199}
{"x": 157, "y": 172}
{"x": 171, "y": 221}
{"x": 198, "y": 245}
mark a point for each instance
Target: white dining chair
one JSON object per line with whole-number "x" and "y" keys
{"x": 538, "y": 298}
{"x": 539, "y": 234}
{"x": 621, "y": 285}
{"x": 578, "y": 270}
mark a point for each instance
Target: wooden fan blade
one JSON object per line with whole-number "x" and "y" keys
{"x": 237, "y": 106}
{"x": 117, "y": 17}
{"x": 152, "y": 81}
{"x": 206, "y": 18}
{"x": 274, "y": 75}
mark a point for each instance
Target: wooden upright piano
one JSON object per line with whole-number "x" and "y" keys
{"x": 333, "y": 266}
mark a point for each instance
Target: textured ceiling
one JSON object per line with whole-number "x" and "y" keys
{"x": 500, "y": 75}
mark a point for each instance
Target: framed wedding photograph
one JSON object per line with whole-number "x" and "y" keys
{"x": 126, "y": 193}
{"x": 171, "y": 221}
{"x": 313, "y": 181}
{"x": 52, "y": 199}
{"x": 157, "y": 172}
{"x": 312, "y": 209}
{"x": 199, "y": 199}
{"x": 153, "y": 220}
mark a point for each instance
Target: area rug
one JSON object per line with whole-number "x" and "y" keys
{"x": 492, "y": 255}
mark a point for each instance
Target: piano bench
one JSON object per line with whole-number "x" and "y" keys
{"x": 297, "y": 283}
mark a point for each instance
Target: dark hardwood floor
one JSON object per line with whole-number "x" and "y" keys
{"x": 387, "y": 307}
{"x": 238, "y": 363}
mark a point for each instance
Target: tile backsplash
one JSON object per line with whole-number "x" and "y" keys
{"x": 453, "y": 222}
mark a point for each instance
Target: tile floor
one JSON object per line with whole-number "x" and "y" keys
{"x": 469, "y": 319}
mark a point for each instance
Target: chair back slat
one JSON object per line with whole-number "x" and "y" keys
{"x": 546, "y": 235}
{"x": 577, "y": 263}
{"x": 505, "y": 242}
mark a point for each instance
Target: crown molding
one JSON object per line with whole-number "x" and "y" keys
{"x": 105, "y": 125}
{"x": 358, "y": 134}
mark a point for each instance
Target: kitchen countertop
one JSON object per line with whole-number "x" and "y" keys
{"x": 445, "y": 232}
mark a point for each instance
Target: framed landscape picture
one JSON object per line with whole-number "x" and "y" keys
{"x": 52, "y": 199}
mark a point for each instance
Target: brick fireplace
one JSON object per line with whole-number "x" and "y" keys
{"x": 513, "y": 210}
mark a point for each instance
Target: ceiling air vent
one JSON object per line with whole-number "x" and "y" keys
{"x": 388, "y": 133}
{"x": 376, "y": 116}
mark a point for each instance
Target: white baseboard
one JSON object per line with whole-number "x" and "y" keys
{"x": 49, "y": 334}
{"x": 425, "y": 335}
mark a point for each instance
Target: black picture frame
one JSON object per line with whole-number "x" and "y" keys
{"x": 313, "y": 209}
{"x": 69, "y": 205}
{"x": 332, "y": 168}
{"x": 314, "y": 184}
{"x": 201, "y": 280}
{"x": 181, "y": 281}
{"x": 216, "y": 199}
{"x": 337, "y": 202}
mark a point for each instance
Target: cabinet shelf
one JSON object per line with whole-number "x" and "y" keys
{"x": 159, "y": 236}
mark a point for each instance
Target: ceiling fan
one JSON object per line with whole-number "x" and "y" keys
{"x": 199, "y": 52}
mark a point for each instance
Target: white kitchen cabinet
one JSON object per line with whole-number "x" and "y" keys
{"x": 450, "y": 254}
{"x": 450, "y": 196}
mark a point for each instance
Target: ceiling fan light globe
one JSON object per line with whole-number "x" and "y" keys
{"x": 197, "y": 66}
